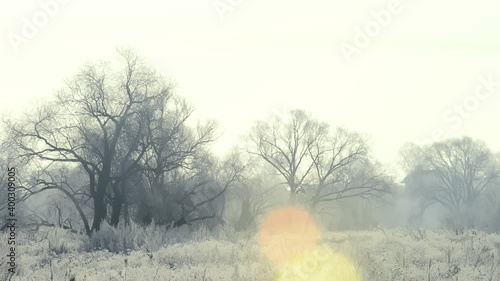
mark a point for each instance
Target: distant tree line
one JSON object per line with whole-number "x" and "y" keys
{"x": 117, "y": 145}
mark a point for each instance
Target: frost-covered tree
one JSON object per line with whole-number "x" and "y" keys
{"x": 453, "y": 173}
{"x": 284, "y": 143}
{"x": 343, "y": 169}
{"x": 119, "y": 125}
{"x": 312, "y": 159}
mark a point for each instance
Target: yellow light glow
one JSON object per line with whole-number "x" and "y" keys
{"x": 289, "y": 239}
{"x": 286, "y": 234}
{"x": 319, "y": 265}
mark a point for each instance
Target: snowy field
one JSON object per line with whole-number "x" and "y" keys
{"x": 185, "y": 254}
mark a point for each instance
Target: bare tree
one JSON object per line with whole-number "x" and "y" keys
{"x": 175, "y": 169}
{"x": 20, "y": 179}
{"x": 254, "y": 196}
{"x": 313, "y": 160}
{"x": 285, "y": 144}
{"x": 85, "y": 125}
{"x": 192, "y": 192}
{"x": 360, "y": 179}
{"x": 342, "y": 169}
{"x": 452, "y": 173}
{"x": 224, "y": 175}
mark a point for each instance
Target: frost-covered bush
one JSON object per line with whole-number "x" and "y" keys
{"x": 191, "y": 253}
{"x": 129, "y": 237}
{"x": 125, "y": 238}
{"x": 61, "y": 241}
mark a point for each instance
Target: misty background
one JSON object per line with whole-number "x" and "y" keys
{"x": 417, "y": 79}
{"x": 154, "y": 139}
{"x": 271, "y": 57}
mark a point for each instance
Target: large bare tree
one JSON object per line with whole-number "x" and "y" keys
{"x": 343, "y": 169}
{"x": 285, "y": 143}
{"x": 87, "y": 125}
{"x": 312, "y": 159}
{"x": 253, "y": 195}
{"x": 453, "y": 173}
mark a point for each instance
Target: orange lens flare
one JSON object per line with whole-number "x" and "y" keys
{"x": 286, "y": 234}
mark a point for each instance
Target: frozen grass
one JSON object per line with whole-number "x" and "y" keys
{"x": 185, "y": 254}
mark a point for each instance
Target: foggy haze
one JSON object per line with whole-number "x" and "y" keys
{"x": 250, "y": 140}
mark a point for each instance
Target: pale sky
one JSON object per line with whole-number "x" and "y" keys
{"x": 270, "y": 56}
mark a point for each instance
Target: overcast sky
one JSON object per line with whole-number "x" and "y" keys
{"x": 240, "y": 63}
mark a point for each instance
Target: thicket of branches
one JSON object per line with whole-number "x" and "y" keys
{"x": 116, "y": 145}
{"x": 461, "y": 176}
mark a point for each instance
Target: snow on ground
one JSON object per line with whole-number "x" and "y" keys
{"x": 184, "y": 254}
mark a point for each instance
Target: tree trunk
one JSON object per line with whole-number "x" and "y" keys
{"x": 125, "y": 212}
{"x": 79, "y": 209}
{"x": 116, "y": 210}
{"x": 313, "y": 205}
{"x": 293, "y": 197}
{"x": 100, "y": 210}
{"x": 118, "y": 202}
{"x": 246, "y": 218}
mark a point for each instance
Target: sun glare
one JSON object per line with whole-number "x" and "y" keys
{"x": 289, "y": 239}
{"x": 286, "y": 233}
{"x": 322, "y": 264}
